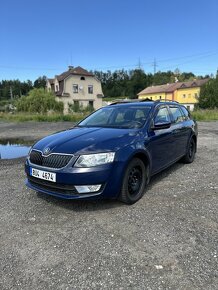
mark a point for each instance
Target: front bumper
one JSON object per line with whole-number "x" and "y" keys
{"x": 107, "y": 175}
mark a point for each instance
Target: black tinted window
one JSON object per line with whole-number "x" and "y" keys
{"x": 177, "y": 114}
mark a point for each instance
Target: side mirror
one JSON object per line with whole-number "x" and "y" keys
{"x": 162, "y": 125}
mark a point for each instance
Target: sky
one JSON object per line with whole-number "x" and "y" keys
{"x": 43, "y": 37}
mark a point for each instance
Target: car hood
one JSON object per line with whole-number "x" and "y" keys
{"x": 81, "y": 140}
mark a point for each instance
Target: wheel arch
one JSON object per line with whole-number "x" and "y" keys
{"x": 144, "y": 156}
{"x": 194, "y": 137}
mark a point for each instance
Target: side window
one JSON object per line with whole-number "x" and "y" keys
{"x": 186, "y": 113}
{"x": 177, "y": 114}
{"x": 162, "y": 116}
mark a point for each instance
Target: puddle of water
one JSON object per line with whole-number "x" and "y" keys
{"x": 10, "y": 149}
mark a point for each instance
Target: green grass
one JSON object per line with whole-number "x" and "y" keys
{"x": 199, "y": 115}
{"x": 24, "y": 117}
{"x": 205, "y": 115}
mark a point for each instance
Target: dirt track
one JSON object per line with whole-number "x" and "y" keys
{"x": 167, "y": 240}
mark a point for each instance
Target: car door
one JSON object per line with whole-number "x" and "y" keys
{"x": 161, "y": 144}
{"x": 180, "y": 130}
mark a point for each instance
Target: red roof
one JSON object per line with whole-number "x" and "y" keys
{"x": 169, "y": 88}
{"x": 74, "y": 71}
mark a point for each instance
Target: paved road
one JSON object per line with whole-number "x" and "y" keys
{"x": 167, "y": 240}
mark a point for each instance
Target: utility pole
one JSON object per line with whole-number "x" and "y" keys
{"x": 154, "y": 64}
{"x": 11, "y": 93}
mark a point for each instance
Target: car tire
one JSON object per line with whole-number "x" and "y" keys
{"x": 191, "y": 150}
{"x": 134, "y": 181}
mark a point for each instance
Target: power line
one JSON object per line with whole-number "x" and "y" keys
{"x": 140, "y": 63}
{"x": 189, "y": 61}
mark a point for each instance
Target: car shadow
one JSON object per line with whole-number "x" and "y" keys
{"x": 81, "y": 205}
{"x": 103, "y": 204}
{"x": 163, "y": 174}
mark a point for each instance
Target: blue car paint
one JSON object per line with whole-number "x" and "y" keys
{"x": 161, "y": 148}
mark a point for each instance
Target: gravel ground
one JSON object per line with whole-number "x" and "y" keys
{"x": 167, "y": 240}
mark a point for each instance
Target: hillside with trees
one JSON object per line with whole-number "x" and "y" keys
{"x": 10, "y": 89}
{"x": 120, "y": 83}
{"x": 129, "y": 83}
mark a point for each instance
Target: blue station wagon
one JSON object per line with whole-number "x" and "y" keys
{"x": 113, "y": 152}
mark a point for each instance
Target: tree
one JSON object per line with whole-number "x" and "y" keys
{"x": 40, "y": 82}
{"x": 39, "y": 101}
{"x": 17, "y": 88}
{"x": 209, "y": 94}
{"x": 138, "y": 81}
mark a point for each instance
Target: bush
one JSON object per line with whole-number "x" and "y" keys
{"x": 205, "y": 115}
{"x": 39, "y": 101}
{"x": 75, "y": 108}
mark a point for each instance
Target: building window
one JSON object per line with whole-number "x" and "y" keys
{"x": 196, "y": 95}
{"x": 91, "y": 104}
{"x": 82, "y": 78}
{"x": 184, "y": 95}
{"x": 90, "y": 89}
{"x": 160, "y": 97}
{"x": 56, "y": 88}
{"x": 75, "y": 89}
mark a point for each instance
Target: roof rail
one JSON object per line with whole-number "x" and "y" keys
{"x": 143, "y": 100}
{"x": 120, "y": 102}
{"x": 165, "y": 100}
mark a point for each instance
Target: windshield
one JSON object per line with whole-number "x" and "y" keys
{"x": 124, "y": 117}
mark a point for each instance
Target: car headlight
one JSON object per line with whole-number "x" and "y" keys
{"x": 91, "y": 160}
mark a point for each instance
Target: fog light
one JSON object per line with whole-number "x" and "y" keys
{"x": 87, "y": 188}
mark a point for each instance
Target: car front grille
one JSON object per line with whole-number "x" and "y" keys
{"x": 53, "y": 187}
{"x": 52, "y": 160}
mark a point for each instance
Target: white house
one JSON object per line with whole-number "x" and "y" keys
{"x": 76, "y": 86}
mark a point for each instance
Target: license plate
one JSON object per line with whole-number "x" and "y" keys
{"x": 50, "y": 176}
